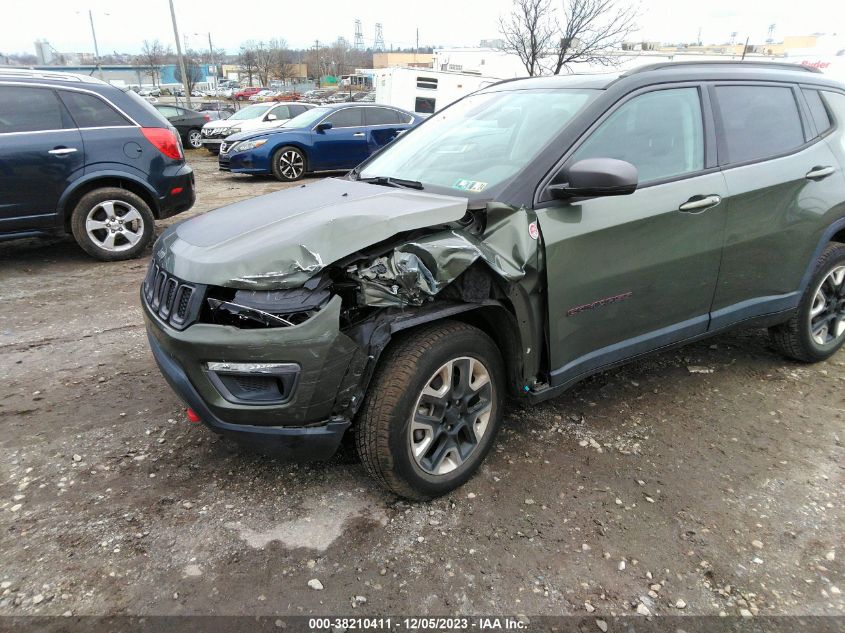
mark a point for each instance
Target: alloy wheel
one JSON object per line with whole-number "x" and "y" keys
{"x": 451, "y": 415}
{"x": 195, "y": 139}
{"x": 827, "y": 314}
{"x": 291, "y": 164}
{"x": 114, "y": 225}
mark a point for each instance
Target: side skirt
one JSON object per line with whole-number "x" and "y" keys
{"x": 627, "y": 351}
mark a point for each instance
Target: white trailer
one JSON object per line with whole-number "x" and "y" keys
{"x": 423, "y": 90}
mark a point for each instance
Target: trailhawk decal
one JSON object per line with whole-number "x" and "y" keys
{"x": 599, "y": 303}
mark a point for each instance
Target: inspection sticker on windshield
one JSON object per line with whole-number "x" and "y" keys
{"x": 469, "y": 185}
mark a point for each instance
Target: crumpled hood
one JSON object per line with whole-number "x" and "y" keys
{"x": 281, "y": 239}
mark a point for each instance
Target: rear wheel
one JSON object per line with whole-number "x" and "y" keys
{"x": 432, "y": 411}
{"x": 112, "y": 224}
{"x": 194, "y": 139}
{"x": 288, "y": 164}
{"x": 817, "y": 330}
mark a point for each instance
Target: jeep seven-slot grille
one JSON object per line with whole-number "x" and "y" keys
{"x": 174, "y": 301}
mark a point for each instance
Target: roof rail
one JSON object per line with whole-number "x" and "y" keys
{"x": 720, "y": 62}
{"x": 6, "y": 71}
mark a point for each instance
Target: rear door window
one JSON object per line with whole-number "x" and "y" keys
{"x": 382, "y": 116}
{"x": 281, "y": 112}
{"x": 661, "y": 133}
{"x": 758, "y": 122}
{"x": 90, "y": 111}
{"x": 168, "y": 111}
{"x": 818, "y": 111}
{"x": 29, "y": 110}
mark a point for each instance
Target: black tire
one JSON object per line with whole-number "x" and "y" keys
{"x": 383, "y": 428}
{"x": 794, "y": 338}
{"x": 97, "y": 245}
{"x": 298, "y": 167}
{"x": 213, "y": 150}
{"x": 193, "y": 139}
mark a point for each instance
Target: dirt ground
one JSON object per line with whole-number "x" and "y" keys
{"x": 651, "y": 487}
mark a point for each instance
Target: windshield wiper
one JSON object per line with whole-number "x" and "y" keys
{"x": 393, "y": 182}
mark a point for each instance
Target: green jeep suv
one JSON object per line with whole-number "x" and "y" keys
{"x": 531, "y": 234}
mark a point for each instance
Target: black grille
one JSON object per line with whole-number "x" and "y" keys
{"x": 174, "y": 301}
{"x": 254, "y": 384}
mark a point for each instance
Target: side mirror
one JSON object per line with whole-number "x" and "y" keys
{"x": 322, "y": 127}
{"x": 593, "y": 177}
{"x": 271, "y": 117}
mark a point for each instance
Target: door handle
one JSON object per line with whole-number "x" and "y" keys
{"x": 697, "y": 204}
{"x": 358, "y": 134}
{"x": 61, "y": 151}
{"x": 817, "y": 173}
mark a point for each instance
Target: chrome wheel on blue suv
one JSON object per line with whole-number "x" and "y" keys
{"x": 112, "y": 224}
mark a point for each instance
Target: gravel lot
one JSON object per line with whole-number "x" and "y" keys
{"x": 650, "y": 488}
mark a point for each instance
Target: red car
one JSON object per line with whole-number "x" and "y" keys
{"x": 246, "y": 93}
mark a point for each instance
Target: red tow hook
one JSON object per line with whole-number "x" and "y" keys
{"x": 193, "y": 418}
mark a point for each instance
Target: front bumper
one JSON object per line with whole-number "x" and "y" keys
{"x": 213, "y": 143}
{"x": 306, "y": 425}
{"x": 242, "y": 163}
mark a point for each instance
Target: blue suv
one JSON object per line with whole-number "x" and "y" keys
{"x": 78, "y": 155}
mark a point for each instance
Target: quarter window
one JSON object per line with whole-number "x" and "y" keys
{"x": 90, "y": 111}
{"x": 29, "y": 110}
{"x": 758, "y": 122}
{"x": 348, "y": 117}
{"x": 660, "y": 133}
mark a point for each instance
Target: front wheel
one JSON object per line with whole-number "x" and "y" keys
{"x": 817, "y": 330}
{"x": 288, "y": 164}
{"x": 112, "y": 224}
{"x": 194, "y": 139}
{"x": 432, "y": 410}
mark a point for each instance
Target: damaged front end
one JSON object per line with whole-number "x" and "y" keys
{"x": 289, "y": 332}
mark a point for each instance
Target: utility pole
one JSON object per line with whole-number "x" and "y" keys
{"x": 417, "y": 49}
{"x": 96, "y": 48}
{"x": 181, "y": 57}
{"x": 319, "y": 69}
{"x": 217, "y": 72}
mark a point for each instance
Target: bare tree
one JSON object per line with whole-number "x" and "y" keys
{"x": 529, "y": 32}
{"x": 592, "y": 30}
{"x": 153, "y": 56}
{"x": 264, "y": 61}
{"x": 247, "y": 60}
{"x": 283, "y": 68}
{"x": 279, "y": 59}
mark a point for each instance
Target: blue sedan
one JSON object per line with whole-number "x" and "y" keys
{"x": 328, "y": 138}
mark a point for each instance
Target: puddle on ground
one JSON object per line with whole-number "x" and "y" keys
{"x": 317, "y": 531}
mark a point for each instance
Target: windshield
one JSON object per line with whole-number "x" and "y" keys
{"x": 307, "y": 118}
{"x": 250, "y": 112}
{"x": 480, "y": 141}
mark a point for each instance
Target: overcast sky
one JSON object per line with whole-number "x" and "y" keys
{"x": 122, "y": 25}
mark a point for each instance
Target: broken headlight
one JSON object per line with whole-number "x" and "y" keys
{"x": 268, "y": 308}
